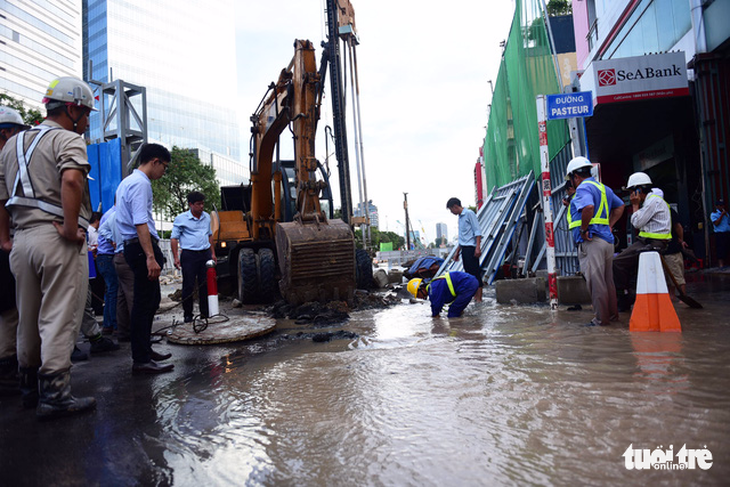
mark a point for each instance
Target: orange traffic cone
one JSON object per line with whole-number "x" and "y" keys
{"x": 653, "y": 309}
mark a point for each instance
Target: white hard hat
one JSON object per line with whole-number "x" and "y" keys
{"x": 638, "y": 179}
{"x": 10, "y": 116}
{"x": 576, "y": 163}
{"x": 68, "y": 89}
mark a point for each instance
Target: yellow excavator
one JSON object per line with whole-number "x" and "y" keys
{"x": 279, "y": 217}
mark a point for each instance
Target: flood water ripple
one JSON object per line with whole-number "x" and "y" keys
{"x": 504, "y": 395}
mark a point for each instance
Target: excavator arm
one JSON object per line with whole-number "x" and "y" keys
{"x": 316, "y": 256}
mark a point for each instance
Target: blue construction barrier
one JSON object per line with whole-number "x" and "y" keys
{"x": 106, "y": 171}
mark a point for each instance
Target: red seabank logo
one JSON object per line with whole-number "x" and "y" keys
{"x": 606, "y": 77}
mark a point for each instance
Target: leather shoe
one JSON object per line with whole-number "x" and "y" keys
{"x": 157, "y": 357}
{"x": 151, "y": 367}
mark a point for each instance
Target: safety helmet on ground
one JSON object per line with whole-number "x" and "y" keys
{"x": 68, "y": 89}
{"x": 10, "y": 116}
{"x": 413, "y": 286}
{"x": 638, "y": 179}
{"x": 576, "y": 163}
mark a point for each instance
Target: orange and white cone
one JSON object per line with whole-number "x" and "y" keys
{"x": 653, "y": 309}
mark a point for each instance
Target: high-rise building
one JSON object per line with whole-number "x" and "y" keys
{"x": 183, "y": 54}
{"x": 372, "y": 213}
{"x": 37, "y": 44}
{"x": 442, "y": 233}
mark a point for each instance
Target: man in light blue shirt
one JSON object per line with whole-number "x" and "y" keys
{"x": 137, "y": 230}
{"x": 470, "y": 242}
{"x": 192, "y": 231}
{"x": 721, "y": 227}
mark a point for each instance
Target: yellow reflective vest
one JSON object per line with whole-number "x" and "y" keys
{"x": 658, "y": 236}
{"x": 601, "y": 216}
{"x": 448, "y": 282}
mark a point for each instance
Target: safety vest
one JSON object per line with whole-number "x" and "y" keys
{"x": 448, "y": 282}
{"x": 658, "y": 236}
{"x": 601, "y": 216}
{"x": 23, "y": 178}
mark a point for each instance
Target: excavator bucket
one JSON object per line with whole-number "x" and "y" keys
{"x": 317, "y": 261}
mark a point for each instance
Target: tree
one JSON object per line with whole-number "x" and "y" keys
{"x": 31, "y": 116}
{"x": 185, "y": 174}
{"x": 559, "y": 7}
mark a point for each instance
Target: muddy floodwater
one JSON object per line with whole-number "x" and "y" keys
{"x": 505, "y": 395}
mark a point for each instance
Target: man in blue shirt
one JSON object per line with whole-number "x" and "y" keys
{"x": 456, "y": 288}
{"x": 470, "y": 241}
{"x": 105, "y": 263}
{"x": 593, "y": 211}
{"x": 192, "y": 230}
{"x": 721, "y": 227}
{"x": 137, "y": 230}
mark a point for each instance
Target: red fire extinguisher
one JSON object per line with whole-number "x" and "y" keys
{"x": 212, "y": 289}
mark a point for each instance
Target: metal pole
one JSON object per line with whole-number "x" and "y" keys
{"x": 408, "y": 234}
{"x": 353, "y": 57}
{"x": 547, "y": 207}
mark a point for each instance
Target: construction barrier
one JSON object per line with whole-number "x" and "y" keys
{"x": 653, "y": 309}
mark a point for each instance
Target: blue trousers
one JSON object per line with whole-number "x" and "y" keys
{"x": 105, "y": 263}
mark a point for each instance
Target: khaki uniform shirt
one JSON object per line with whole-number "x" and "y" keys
{"x": 57, "y": 151}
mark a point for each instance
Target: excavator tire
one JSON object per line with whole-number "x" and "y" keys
{"x": 248, "y": 281}
{"x": 364, "y": 269}
{"x": 268, "y": 286}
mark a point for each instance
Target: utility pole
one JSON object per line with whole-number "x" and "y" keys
{"x": 408, "y": 224}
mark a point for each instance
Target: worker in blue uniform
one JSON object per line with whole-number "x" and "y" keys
{"x": 453, "y": 288}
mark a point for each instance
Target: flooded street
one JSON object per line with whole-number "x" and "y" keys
{"x": 505, "y": 395}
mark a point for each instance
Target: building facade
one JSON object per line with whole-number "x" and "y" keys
{"x": 39, "y": 41}
{"x": 658, "y": 71}
{"x": 184, "y": 55}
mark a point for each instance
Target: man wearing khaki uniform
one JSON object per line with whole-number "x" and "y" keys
{"x": 43, "y": 189}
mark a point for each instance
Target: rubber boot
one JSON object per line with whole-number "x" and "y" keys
{"x": 9, "y": 378}
{"x": 56, "y": 399}
{"x": 29, "y": 386}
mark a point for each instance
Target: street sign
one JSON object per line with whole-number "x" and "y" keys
{"x": 569, "y": 105}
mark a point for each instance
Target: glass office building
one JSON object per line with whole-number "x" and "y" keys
{"x": 183, "y": 53}
{"x": 39, "y": 41}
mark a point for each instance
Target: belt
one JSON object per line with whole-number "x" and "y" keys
{"x": 197, "y": 251}
{"x": 135, "y": 240}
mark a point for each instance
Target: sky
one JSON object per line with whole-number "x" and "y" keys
{"x": 424, "y": 71}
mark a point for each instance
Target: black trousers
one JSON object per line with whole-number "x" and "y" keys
{"x": 193, "y": 268}
{"x": 626, "y": 264}
{"x": 146, "y": 299}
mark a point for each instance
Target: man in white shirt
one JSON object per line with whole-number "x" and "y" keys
{"x": 652, "y": 217}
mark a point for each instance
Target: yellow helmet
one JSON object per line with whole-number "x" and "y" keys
{"x": 413, "y": 286}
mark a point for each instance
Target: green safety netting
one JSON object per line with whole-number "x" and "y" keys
{"x": 511, "y": 145}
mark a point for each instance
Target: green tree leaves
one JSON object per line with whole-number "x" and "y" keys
{"x": 185, "y": 174}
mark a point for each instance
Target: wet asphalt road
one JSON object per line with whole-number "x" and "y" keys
{"x": 196, "y": 426}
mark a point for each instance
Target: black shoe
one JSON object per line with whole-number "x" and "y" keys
{"x": 103, "y": 344}
{"x": 157, "y": 357}
{"x": 151, "y": 367}
{"x": 188, "y": 319}
{"x": 78, "y": 356}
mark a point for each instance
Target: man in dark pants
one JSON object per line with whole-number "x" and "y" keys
{"x": 192, "y": 230}
{"x": 470, "y": 242}
{"x": 137, "y": 229}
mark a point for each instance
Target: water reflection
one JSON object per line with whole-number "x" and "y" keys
{"x": 505, "y": 395}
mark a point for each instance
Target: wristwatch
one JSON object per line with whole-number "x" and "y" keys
{"x": 583, "y": 231}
